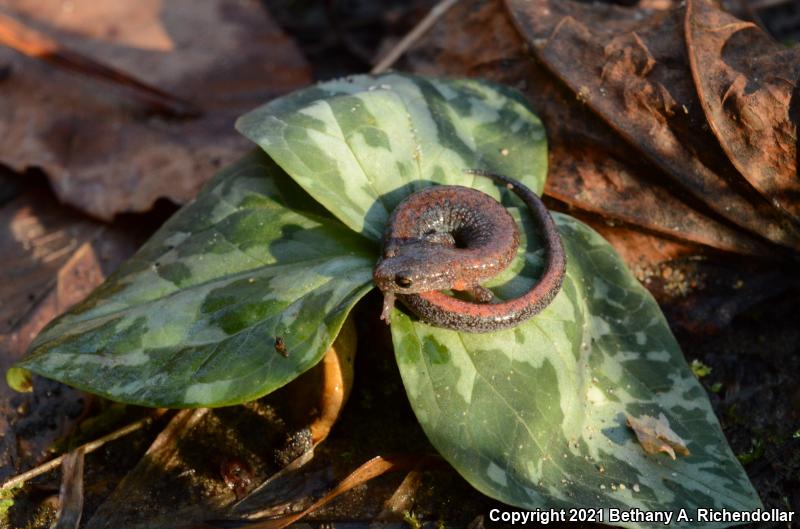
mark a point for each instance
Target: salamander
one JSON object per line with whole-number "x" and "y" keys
{"x": 454, "y": 238}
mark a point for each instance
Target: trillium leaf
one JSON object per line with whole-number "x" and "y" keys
{"x": 361, "y": 145}
{"x": 535, "y": 416}
{"x": 192, "y": 318}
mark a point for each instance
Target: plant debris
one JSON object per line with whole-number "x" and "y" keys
{"x": 655, "y": 435}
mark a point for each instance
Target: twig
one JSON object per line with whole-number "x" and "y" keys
{"x": 91, "y": 446}
{"x": 31, "y": 43}
{"x": 414, "y": 35}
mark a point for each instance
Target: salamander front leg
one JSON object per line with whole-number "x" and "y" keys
{"x": 388, "y": 305}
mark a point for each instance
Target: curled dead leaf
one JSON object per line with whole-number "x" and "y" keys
{"x": 629, "y": 66}
{"x": 655, "y": 435}
{"x": 747, "y": 84}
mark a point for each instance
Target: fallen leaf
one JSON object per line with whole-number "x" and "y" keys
{"x": 402, "y": 499}
{"x": 629, "y": 66}
{"x": 53, "y": 257}
{"x": 747, "y": 85}
{"x": 106, "y": 156}
{"x": 655, "y": 435}
{"x": 596, "y": 181}
{"x": 37, "y": 239}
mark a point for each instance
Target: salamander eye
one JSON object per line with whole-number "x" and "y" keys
{"x": 403, "y": 281}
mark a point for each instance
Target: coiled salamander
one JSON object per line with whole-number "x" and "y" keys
{"x": 454, "y": 238}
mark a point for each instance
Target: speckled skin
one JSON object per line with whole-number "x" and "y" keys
{"x": 453, "y": 237}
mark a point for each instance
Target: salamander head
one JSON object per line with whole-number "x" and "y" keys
{"x": 411, "y": 269}
{"x": 414, "y": 269}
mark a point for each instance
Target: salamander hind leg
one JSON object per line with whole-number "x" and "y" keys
{"x": 480, "y": 294}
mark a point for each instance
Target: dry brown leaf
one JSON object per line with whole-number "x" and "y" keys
{"x": 402, "y": 499}
{"x": 747, "y": 84}
{"x": 655, "y": 435}
{"x": 52, "y": 258}
{"x": 629, "y": 66}
{"x": 104, "y": 154}
{"x": 594, "y": 180}
{"x": 37, "y": 238}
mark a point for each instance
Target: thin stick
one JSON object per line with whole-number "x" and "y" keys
{"x": 91, "y": 446}
{"x": 414, "y": 35}
{"x": 31, "y": 43}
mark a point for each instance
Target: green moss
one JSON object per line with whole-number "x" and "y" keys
{"x": 700, "y": 369}
{"x": 7, "y": 501}
{"x": 755, "y": 453}
{"x": 411, "y": 520}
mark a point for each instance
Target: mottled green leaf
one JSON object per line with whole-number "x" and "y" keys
{"x": 535, "y": 415}
{"x": 192, "y": 318}
{"x": 360, "y": 145}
